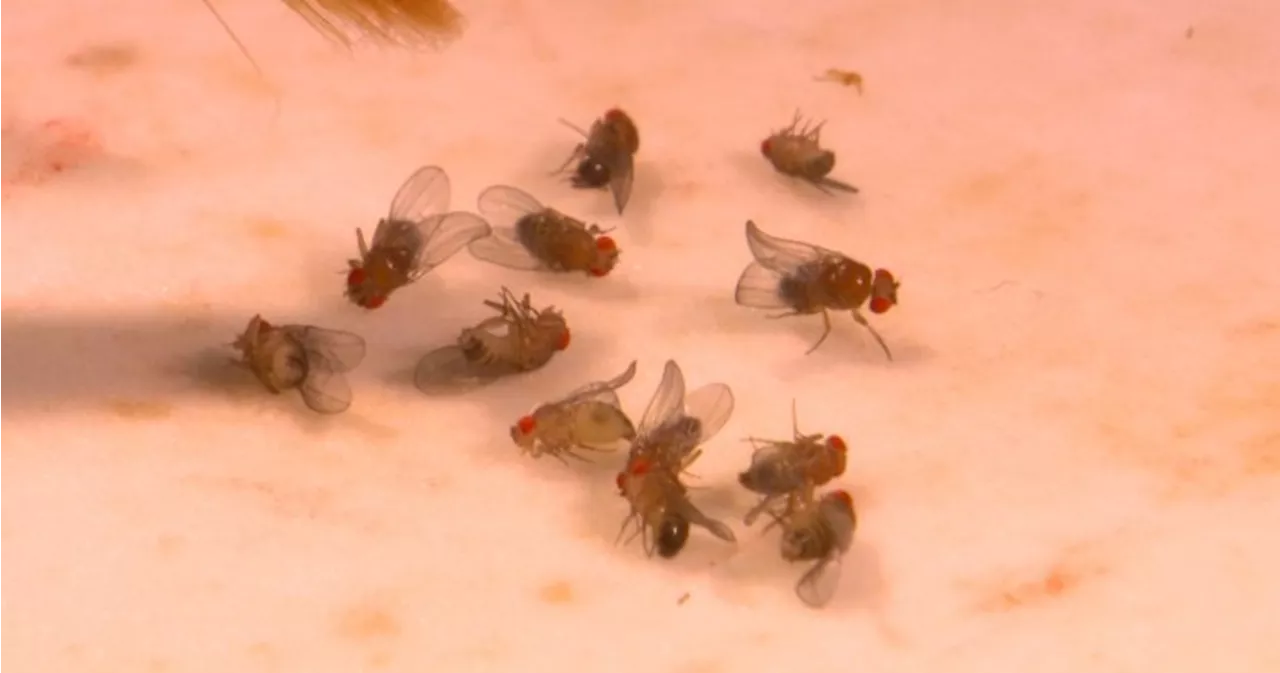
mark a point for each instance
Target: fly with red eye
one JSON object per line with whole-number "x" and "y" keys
{"x": 796, "y": 151}
{"x": 804, "y": 279}
{"x": 588, "y": 419}
{"x": 788, "y": 471}
{"x": 417, "y": 235}
{"x": 528, "y": 236}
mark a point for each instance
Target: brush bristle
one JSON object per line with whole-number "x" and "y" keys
{"x": 398, "y": 22}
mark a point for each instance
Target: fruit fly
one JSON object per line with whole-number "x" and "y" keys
{"x": 529, "y": 236}
{"x": 791, "y": 469}
{"x": 607, "y": 157}
{"x": 673, "y": 427}
{"x": 310, "y": 359}
{"x": 797, "y": 152}
{"x": 586, "y": 419}
{"x": 415, "y": 237}
{"x": 819, "y": 531}
{"x": 519, "y": 339}
{"x": 806, "y": 279}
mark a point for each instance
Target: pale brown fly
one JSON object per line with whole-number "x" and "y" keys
{"x": 798, "y": 153}
{"x": 819, "y": 531}
{"x": 310, "y": 359}
{"x": 607, "y": 157}
{"x": 805, "y": 279}
{"x": 588, "y": 419}
{"x": 791, "y": 469}
{"x": 519, "y": 339}
{"x": 668, "y": 441}
{"x": 416, "y": 236}
{"x": 529, "y": 236}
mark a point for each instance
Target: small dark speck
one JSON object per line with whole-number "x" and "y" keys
{"x": 684, "y": 598}
{"x": 1191, "y": 31}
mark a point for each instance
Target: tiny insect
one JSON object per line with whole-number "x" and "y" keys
{"x": 797, "y": 152}
{"x": 806, "y": 279}
{"x": 310, "y": 359}
{"x": 667, "y": 443}
{"x": 528, "y": 236}
{"x": 607, "y": 157}
{"x": 519, "y": 339}
{"x": 819, "y": 531}
{"x": 587, "y": 419}
{"x": 783, "y": 469}
{"x": 416, "y": 236}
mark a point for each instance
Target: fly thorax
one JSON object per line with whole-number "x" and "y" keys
{"x": 285, "y": 363}
{"x": 846, "y": 283}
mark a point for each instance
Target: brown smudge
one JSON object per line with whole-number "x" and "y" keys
{"x": 847, "y": 78}
{"x": 559, "y": 592}
{"x": 1059, "y": 582}
{"x": 684, "y": 598}
{"x": 367, "y": 622}
{"x": 104, "y": 59}
{"x": 139, "y": 409}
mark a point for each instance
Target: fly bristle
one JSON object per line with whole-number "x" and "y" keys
{"x": 394, "y": 22}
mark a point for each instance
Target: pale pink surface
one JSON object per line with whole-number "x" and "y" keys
{"x": 1072, "y": 465}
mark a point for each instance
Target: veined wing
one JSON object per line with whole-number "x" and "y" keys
{"x": 424, "y": 193}
{"x": 781, "y": 255}
{"x": 503, "y": 247}
{"x": 504, "y": 205}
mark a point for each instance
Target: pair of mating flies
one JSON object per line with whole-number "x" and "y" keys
{"x": 666, "y": 443}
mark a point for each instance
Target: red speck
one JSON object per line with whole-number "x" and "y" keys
{"x": 843, "y": 498}
{"x": 766, "y": 147}
{"x": 621, "y": 481}
{"x": 837, "y": 442}
{"x": 599, "y": 271}
{"x": 526, "y": 425}
{"x": 606, "y": 244}
{"x": 639, "y": 466}
{"x": 356, "y": 276}
{"x": 880, "y": 304}
{"x": 563, "y": 342}
{"x": 375, "y": 301}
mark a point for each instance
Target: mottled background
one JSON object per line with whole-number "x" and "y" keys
{"x": 1071, "y": 466}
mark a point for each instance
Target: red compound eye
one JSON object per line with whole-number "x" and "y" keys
{"x": 766, "y": 147}
{"x": 621, "y": 481}
{"x": 837, "y": 442}
{"x": 356, "y": 276}
{"x": 880, "y": 304}
{"x": 526, "y": 425}
{"x": 843, "y": 498}
{"x": 375, "y": 301}
{"x": 563, "y": 342}
{"x": 606, "y": 244}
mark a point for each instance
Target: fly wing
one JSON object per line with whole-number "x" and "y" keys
{"x": 712, "y": 405}
{"x": 444, "y": 235}
{"x": 668, "y": 399}
{"x": 445, "y": 369}
{"x": 697, "y": 518}
{"x": 621, "y": 176}
{"x": 425, "y": 193}
{"x": 341, "y": 351}
{"x": 780, "y": 254}
{"x": 503, "y": 248}
{"x": 818, "y": 585}
{"x": 324, "y": 389}
{"x": 602, "y": 390}
{"x": 759, "y": 287}
{"x": 504, "y": 205}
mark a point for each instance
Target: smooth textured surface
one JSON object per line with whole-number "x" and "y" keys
{"x": 1071, "y": 465}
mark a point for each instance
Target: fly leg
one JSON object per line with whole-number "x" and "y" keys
{"x": 826, "y": 331}
{"x": 831, "y": 182}
{"x": 863, "y": 321}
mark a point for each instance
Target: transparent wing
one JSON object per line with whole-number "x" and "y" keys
{"x": 780, "y": 254}
{"x": 667, "y": 401}
{"x": 341, "y": 351}
{"x": 758, "y": 287}
{"x": 324, "y": 388}
{"x": 621, "y": 176}
{"x": 445, "y": 235}
{"x": 602, "y": 390}
{"x": 504, "y": 205}
{"x": 697, "y": 518}
{"x": 502, "y": 247}
{"x": 426, "y": 192}
{"x": 818, "y": 585}
{"x": 445, "y": 369}
{"x": 712, "y": 405}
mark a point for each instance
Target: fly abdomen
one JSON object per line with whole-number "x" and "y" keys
{"x": 530, "y": 230}
{"x": 806, "y": 543}
{"x": 820, "y": 164}
{"x": 800, "y": 289}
